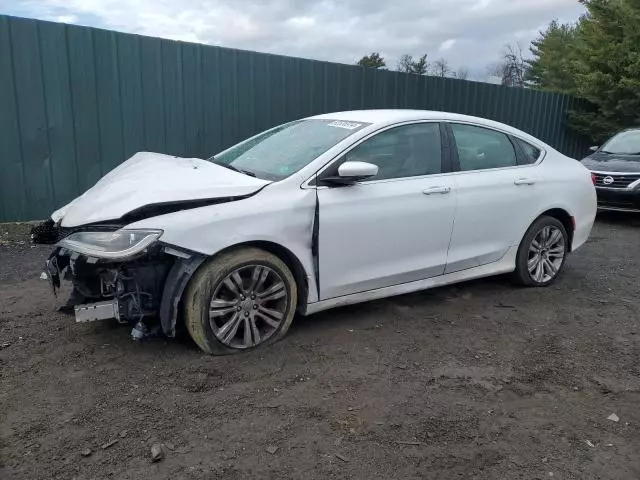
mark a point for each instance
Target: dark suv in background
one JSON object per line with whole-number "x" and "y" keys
{"x": 615, "y": 168}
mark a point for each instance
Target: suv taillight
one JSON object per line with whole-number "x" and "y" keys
{"x": 593, "y": 178}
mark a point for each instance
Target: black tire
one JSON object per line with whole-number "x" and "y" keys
{"x": 521, "y": 275}
{"x": 208, "y": 279}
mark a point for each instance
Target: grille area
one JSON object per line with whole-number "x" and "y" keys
{"x": 619, "y": 181}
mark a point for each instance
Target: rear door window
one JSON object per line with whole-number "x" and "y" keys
{"x": 482, "y": 149}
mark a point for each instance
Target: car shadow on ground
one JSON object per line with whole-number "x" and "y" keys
{"x": 421, "y": 306}
{"x": 433, "y": 301}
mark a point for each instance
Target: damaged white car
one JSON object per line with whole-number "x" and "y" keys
{"x": 326, "y": 211}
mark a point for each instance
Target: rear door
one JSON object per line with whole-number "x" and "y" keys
{"x": 498, "y": 194}
{"x": 394, "y": 228}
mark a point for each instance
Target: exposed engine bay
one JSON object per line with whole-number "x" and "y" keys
{"x": 135, "y": 285}
{"x": 130, "y": 292}
{"x": 144, "y": 290}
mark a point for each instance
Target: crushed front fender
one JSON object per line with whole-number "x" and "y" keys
{"x": 177, "y": 280}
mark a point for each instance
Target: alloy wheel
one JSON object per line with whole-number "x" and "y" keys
{"x": 546, "y": 254}
{"x": 248, "y": 306}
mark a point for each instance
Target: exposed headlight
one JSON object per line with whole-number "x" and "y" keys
{"x": 112, "y": 245}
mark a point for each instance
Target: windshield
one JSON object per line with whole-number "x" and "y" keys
{"x": 282, "y": 151}
{"x": 624, "y": 143}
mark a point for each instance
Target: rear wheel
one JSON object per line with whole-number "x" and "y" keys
{"x": 240, "y": 300}
{"x": 542, "y": 253}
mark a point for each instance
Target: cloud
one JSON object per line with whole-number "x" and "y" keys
{"x": 469, "y": 33}
{"x": 302, "y": 22}
{"x": 447, "y": 45}
{"x": 66, "y": 19}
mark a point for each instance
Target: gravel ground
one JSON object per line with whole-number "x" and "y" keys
{"x": 480, "y": 380}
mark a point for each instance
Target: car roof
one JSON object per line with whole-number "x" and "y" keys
{"x": 385, "y": 116}
{"x": 380, "y": 118}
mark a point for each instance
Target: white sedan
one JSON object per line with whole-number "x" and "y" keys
{"x": 317, "y": 213}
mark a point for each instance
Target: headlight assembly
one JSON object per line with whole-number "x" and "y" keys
{"x": 110, "y": 245}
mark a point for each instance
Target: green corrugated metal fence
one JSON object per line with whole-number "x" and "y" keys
{"x": 76, "y": 101}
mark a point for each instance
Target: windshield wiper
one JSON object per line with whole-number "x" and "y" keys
{"x": 236, "y": 169}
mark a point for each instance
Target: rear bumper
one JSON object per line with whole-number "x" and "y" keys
{"x": 618, "y": 199}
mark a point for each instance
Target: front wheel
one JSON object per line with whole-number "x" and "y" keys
{"x": 240, "y": 300}
{"x": 542, "y": 253}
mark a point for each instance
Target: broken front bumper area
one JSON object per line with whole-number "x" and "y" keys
{"x": 145, "y": 290}
{"x": 92, "y": 312}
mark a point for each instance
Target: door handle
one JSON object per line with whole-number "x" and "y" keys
{"x": 434, "y": 190}
{"x": 524, "y": 181}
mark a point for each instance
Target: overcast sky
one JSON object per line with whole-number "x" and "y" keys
{"x": 468, "y": 33}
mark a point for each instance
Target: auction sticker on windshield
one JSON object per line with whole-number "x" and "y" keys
{"x": 343, "y": 124}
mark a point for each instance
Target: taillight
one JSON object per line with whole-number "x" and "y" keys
{"x": 593, "y": 178}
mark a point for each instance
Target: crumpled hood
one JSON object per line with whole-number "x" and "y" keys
{"x": 150, "y": 179}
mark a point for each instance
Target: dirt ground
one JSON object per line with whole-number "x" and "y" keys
{"x": 481, "y": 380}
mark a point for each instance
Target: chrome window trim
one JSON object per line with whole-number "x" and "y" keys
{"x": 543, "y": 151}
{"x": 543, "y": 154}
{"x": 338, "y": 156}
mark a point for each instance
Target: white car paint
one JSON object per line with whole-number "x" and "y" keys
{"x": 377, "y": 234}
{"x": 148, "y": 178}
{"x": 495, "y": 208}
{"x": 376, "y": 238}
{"x": 504, "y": 265}
{"x": 278, "y": 215}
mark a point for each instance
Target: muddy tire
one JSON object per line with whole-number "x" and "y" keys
{"x": 240, "y": 300}
{"x": 542, "y": 253}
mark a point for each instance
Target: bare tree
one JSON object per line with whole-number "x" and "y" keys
{"x": 407, "y": 64}
{"x": 462, "y": 73}
{"x": 440, "y": 68}
{"x": 512, "y": 68}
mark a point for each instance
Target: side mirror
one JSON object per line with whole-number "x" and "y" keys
{"x": 350, "y": 173}
{"x": 357, "y": 171}
{"x": 594, "y": 148}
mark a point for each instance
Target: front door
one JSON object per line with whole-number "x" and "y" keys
{"x": 394, "y": 228}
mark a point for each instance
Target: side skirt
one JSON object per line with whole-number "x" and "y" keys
{"x": 505, "y": 265}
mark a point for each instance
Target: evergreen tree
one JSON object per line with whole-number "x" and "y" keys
{"x": 372, "y": 61}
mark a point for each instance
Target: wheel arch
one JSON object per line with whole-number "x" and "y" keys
{"x": 521, "y": 274}
{"x": 563, "y": 217}
{"x": 287, "y": 256}
{"x": 184, "y": 270}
